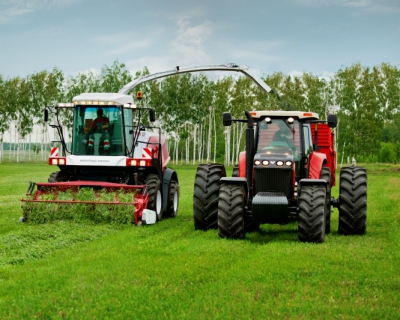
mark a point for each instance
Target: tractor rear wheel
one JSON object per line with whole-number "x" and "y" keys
{"x": 173, "y": 199}
{"x": 353, "y": 201}
{"x": 205, "y": 196}
{"x": 235, "y": 171}
{"x": 326, "y": 175}
{"x": 231, "y": 211}
{"x": 312, "y": 202}
{"x": 154, "y": 192}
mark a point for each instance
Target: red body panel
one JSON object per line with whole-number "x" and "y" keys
{"x": 242, "y": 164}
{"x": 325, "y": 143}
{"x": 154, "y": 144}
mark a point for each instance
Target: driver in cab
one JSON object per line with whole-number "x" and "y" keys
{"x": 100, "y": 122}
{"x": 99, "y": 125}
{"x": 283, "y": 134}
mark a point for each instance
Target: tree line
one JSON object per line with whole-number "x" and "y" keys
{"x": 189, "y": 108}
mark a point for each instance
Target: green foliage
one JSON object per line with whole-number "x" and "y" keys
{"x": 388, "y": 153}
{"x": 189, "y": 106}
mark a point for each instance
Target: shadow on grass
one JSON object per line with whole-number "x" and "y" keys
{"x": 268, "y": 234}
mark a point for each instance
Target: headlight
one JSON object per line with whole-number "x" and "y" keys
{"x": 279, "y": 163}
{"x": 257, "y": 162}
{"x": 288, "y": 163}
{"x": 265, "y": 162}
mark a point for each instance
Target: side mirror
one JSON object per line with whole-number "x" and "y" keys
{"x": 227, "y": 119}
{"x": 332, "y": 121}
{"x": 46, "y": 115}
{"x": 152, "y": 115}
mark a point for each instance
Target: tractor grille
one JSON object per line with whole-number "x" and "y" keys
{"x": 273, "y": 180}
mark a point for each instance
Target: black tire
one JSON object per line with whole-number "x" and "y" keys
{"x": 154, "y": 192}
{"x": 205, "y": 196}
{"x": 353, "y": 201}
{"x": 312, "y": 203}
{"x": 173, "y": 199}
{"x": 235, "y": 171}
{"x": 57, "y": 176}
{"x": 326, "y": 175}
{"x": 231, "y": 211}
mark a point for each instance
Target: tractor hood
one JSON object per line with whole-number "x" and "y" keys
{"x": 274, "y": 157}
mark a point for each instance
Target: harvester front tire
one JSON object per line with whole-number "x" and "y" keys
{"x": 205, "y": 196}
{"x": 326, "y": 175}
{"x": 173, "y": 199}
{"x": 312, "y": 202}
{"x": 231, "y": 211}
{"x": 353, "y": 201}
{"x": 154, "y": 192}
{"x": 57, "y": 176}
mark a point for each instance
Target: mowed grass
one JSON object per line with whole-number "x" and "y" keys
{"x": 168, "y": 270}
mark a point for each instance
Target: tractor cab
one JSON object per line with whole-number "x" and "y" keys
{"x": 278, "y": 142}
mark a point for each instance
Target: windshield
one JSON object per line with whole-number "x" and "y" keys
{"x": 278, "y": 133}
{"x": 97, "y": 131}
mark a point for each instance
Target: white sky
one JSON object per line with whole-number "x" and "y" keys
{"x": 316, "y": 36}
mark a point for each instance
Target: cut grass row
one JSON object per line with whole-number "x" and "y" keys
{"x": 168, "y": 270}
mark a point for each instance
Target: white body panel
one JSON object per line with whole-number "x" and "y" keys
{"x": 144, "y": 137}
{"x": 296, "y": 114}
{"x": 149, "y": 216}
{"x": 107, "y": 161}
{"x": 113, "y": 98}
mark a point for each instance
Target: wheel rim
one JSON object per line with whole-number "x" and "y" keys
{"x": 175, "y": 201}
{"x": 158, "y": 203}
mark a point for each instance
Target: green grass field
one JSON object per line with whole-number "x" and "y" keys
{"x": 168, "y": 270}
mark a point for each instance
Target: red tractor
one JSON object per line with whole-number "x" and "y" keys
{"x": 285, "y": 174}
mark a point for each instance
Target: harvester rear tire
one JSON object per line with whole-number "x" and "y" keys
{"x": 353, "y": 201}
{"x": 312, "y": 202}
{"x": 205, "y": 196}
{"x": 326, "y": 175}
{"x": 173, "y": 199}
{"x": 154, "y": 192}
{"x": 231, "y": 211}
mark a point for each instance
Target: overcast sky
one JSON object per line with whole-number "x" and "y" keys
{"x": 316, "y": 36}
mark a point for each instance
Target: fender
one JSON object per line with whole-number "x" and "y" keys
{"x": 169, "y": 174}
{"x": 316, "y": 161}
{"x": 235, "y": 180}
{"x": 313, "y": 182}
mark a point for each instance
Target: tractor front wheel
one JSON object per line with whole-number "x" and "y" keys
{"x": 231, "y": 211}
{"x": 353, "y": 201}
{"x": 312, "y": 202}
{"x": 205, "y": 196}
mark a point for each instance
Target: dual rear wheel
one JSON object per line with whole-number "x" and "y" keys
{"x": 155, "y": 196}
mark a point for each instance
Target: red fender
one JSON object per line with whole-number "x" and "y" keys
{"x": 315, "y": 163}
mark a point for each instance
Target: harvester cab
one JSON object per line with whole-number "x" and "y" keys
{"x": 115, "y": 149}
{"x": 285, "y": 174}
